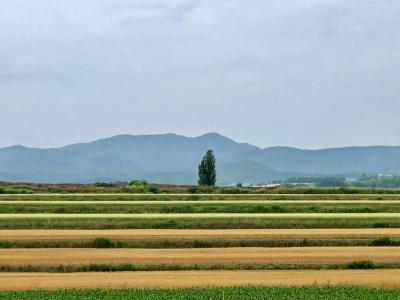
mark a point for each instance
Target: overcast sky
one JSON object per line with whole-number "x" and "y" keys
{"x": 305, "y": 73}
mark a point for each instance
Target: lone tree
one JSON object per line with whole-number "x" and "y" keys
{"x": 207, "y": 173}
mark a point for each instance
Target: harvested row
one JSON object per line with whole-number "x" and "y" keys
{"x": 178, "y": 234}
{"x": 301, "y": 255}
{"x": 175, "y": 279}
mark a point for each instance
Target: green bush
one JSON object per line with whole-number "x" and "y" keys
{"x": 138, "y": 182}
{"x": 2, "y": 190}
{"x": 381, "y": 225}
{"x": 383, "y": 241}
{"x": 305, "y": 243}
{"x": 362, "y": 264}
{"x": 153, "y": 189}
{"x": 102, "y": 242}
{"x": 5, "y": 245}
{"x": 193, "y": 190}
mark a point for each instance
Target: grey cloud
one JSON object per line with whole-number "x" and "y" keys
{"x": 305, "y": 73}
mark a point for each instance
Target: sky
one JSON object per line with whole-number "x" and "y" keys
{"x": 303, "y": 73}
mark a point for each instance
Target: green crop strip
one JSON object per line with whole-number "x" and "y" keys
{"x": 229, "y": 293}
{"x": 74, "y": 207}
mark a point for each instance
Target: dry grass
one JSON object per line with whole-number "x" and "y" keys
{"x": 293, "y": 255}
{"x": 169, "y": 279}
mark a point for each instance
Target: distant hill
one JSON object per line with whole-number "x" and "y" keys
{"x": 249, "y": 172}
{"x": 172, "y": 158}
{"x": 331, "y": 161}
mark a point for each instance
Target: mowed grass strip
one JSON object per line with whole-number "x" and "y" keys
{"x": 73, "y": 207}
{"x": 225, "y": 293}
{"x": 196, "y": 215}
{"x": 258, "y": 255}
{"x": 193, "y": 197}
{"x": 165, "y": 222}
{"x": 156, "y": 234}
{"x": 176, "y": 279}
{"x": 199, "y": 202}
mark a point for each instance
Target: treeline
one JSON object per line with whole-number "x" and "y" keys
{"x": 377, "y": 181}
{"x": 319, "y": 181}
{"x": 364, "y": 181}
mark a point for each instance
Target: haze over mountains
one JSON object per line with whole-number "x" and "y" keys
{"x": 171, "y": 158}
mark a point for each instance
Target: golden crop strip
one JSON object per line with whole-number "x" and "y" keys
{"x": 176, "y": 279}
{"x": 237, "y": 255}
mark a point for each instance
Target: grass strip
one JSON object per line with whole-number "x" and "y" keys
{"x": 72, "y": 268}
{"x": 194, "y": 197}
{"x": 192, "y": 208}
{"x": 225, "y": 293}
{"x": 203, "y": 216}
{"x": 103, "y": 242}
{"x": 196, "y": 223}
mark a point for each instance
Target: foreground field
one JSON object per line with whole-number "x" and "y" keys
{"x": 173, "y": 279}
{"x": 294, "y": 255}
{"x": 230, "y": 293}
{"x": 53, "y": 241}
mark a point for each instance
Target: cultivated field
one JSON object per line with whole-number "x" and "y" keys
{"x": 184, "y": 240}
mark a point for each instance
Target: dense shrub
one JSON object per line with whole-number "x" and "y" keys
{"x": 362, "y": 264}
{"x": 102, "y": 242}
{"x": 383, "y": 241}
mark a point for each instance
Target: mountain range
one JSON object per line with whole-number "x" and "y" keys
{"x": 171, "y": 158}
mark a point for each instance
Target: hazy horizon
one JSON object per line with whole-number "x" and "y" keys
{"x": 308, "y": 74}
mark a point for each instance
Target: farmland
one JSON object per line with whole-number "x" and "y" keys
{"x": 58, "y": 241}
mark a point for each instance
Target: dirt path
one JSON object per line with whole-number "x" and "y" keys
{"x": 293, "y": 255}
{"x": 199, "y": 215}
{"x": 168, "y": 279}
{"x": 157, "y": 234}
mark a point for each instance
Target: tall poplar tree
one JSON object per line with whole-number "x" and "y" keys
{"x": 207, "y": 172}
